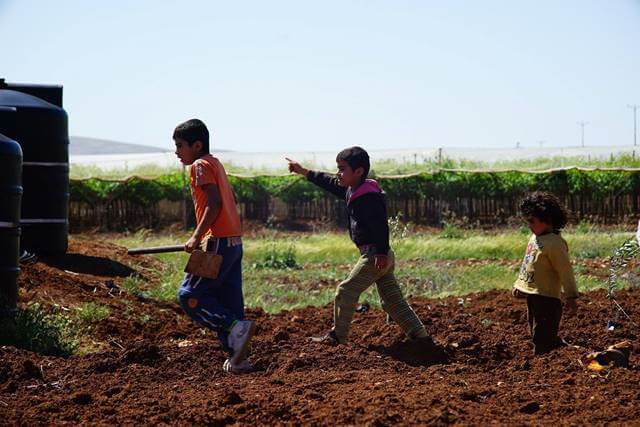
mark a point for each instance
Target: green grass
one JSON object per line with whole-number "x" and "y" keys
{"x": 45, "y": 331}
{"x": 54, "y": 331}
{"x": 298, "y": 270}
{"x": 90, "y": 312}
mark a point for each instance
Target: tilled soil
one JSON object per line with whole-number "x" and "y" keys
{"x": 155, "y": 366}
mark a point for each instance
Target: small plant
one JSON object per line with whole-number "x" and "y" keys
{"x": 279, "y": 258}
{"x": 620, "y": 260}
{"x": 90, "y": 312}
{"x": 132, "y": 285}
{"x": 585, "y": 227}
{"x": 271, "y": 223}
{"x": 166, "y": 290}
{"x": 44, "y": 332}
{"x": 398, "y": 229}
{"x": 145, "y": 318}
{"x": 450, "y": 231}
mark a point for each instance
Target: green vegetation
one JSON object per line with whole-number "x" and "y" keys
{"x": 619, "y": 262}
{"x": 451, "y": 231}
{"x": 429, "y": 264}
{"x": 53, "y": 330}
{"x": 441, "y": 184}
{"x": 90, "y": 312}
{"x": 279, "y": 258}
{"x": 44, "y": 331}
{"x": 380, "y": 167}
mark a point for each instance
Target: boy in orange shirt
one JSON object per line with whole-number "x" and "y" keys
{"x": 216, "y": 304}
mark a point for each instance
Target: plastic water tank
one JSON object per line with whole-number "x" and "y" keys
{"x": 41, "y": 129}
{"x": 50, "y": 93}
{"x": 10, "y": 195}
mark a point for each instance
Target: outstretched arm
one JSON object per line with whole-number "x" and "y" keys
{"x": 323, "y": 180}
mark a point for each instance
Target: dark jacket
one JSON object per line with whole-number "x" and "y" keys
{"x": 366, "y": 207}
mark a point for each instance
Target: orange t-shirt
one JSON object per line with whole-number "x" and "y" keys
{"x": 208, "y": 170}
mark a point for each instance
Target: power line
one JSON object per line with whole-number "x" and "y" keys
{"x": 582, "y": 125}
{"x": 634, "y": 107}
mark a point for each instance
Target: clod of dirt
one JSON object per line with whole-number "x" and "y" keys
{"x": 113, "y": 391}
{"x": 470, "y": 396}
{"x": 30, "y": 370}
{"x": 5, "y": 373}
{"x": 143, "y": 353}
{"x": 231, "y": 398}
{"x": 105, "y": 365}
{"x": 446, "y": 416}
{"x": 10, "y": 388}
{"x": 280, "y": 335}
{"x": 314, "y": 395}
{"x": 469, "y": 341}
{"x": 416, "y": 352}
{"x": 82, "y": 398}
{"x": 525, "y": 366}
{"x": 298, "y": 363}
{"x": 530, "y": 408}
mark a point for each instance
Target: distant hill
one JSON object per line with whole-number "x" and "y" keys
{"x": 81, "y": 145}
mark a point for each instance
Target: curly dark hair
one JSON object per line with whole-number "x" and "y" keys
{"x": 546, "y": 207}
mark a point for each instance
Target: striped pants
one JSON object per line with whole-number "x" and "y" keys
{"x": 363, "y": 275}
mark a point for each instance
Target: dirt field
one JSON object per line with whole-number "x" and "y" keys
{"x": 165, "y": 370}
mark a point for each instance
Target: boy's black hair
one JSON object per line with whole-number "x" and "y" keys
{"x": 191, "y": 131}
{"x": 546, "y": 207}
{"x": 356, "y": 157}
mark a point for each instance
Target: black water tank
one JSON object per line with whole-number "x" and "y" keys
{"x": 50, "y": 93}
{"x": 41, "y": 129}
{"x": 10, "y": 195}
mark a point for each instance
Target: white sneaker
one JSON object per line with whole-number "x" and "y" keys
{"x": 241, "y": 368}
{"x": 239, "y": 338}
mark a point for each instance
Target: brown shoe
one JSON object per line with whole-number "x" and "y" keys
{"x": 330, "y": 338}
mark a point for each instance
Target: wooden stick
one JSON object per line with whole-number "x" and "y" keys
{"x": 156, "y": 250}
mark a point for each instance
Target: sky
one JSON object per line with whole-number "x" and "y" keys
{"x": 304, "y": 76}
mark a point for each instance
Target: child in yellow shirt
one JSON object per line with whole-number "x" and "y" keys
{"x": 546, "y": 273}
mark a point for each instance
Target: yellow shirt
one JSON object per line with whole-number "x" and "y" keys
{"x": 546, "y": 269}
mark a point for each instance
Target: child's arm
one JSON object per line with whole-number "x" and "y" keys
{"x": 559, "y": 258}
{"x": 211, "y": 211}
{"x": 323, "y": 180}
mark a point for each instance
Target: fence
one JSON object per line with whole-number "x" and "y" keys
{"x": 482, "y": 197}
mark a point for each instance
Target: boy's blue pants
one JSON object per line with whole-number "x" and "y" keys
{"x": 216, "y": 303}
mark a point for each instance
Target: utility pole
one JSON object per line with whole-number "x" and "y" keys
{"x": 582, "y": 125}
{"x": 634, "y": 107}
